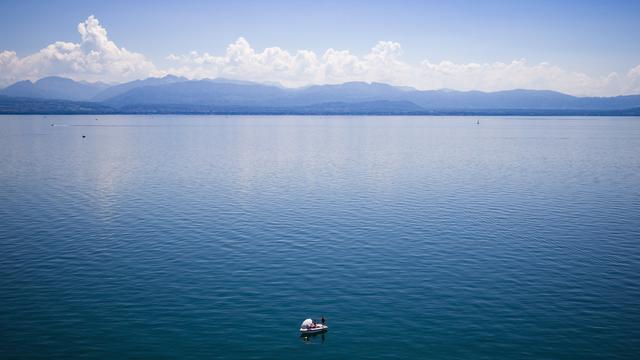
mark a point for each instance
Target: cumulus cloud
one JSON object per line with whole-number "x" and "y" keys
{"x": 94, "y": 58}
{"x": 634, "y": 83}
{"x": 303, "y": 67}
{"x": 383, "y": 63}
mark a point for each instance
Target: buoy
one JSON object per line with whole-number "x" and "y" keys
{"x": 83, "y": 136}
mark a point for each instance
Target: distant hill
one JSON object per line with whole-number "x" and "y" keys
{"x": 201, "y": 92}
{"x": 206, "y": 92}
{"x": 171, "y": 94}
{"x": 518, "y": 99}
{"x": 54, "y": 87}
{"x": 116, "y": 90}
{"x": 21, "y": 105}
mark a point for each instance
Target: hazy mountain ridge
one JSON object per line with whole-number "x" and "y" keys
{"x": 177, "y": 94}
{"x": 200, "y": 92}
{"x": 123, "y": 88}
{"x": 55, "y": 87}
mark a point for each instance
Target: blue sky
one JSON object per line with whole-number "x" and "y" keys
{"x": 592, "y": 38}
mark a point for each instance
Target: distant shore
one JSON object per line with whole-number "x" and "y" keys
{"x": 30, "y": 106}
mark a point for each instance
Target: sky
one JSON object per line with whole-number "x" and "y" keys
{"x": 576, "y": 47}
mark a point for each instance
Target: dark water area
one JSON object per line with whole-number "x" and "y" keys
{"x": 188, "y": 237}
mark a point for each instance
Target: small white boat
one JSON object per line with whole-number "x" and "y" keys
{"x": 310, "y": 327}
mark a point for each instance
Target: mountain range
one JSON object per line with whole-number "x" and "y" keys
{"x": 172, "y": 94}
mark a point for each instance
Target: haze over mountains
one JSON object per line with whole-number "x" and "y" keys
{"x": 172, "y": 94}
{"x": 54, "y": 87}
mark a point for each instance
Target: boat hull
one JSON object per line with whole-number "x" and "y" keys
{"x": 314, "y": 330}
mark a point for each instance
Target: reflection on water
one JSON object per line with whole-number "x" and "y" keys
{"x": 317, "y": 338}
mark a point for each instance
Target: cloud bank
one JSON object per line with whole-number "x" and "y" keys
{"x": 98, "y": 58}
{"x": 384, "y": 63}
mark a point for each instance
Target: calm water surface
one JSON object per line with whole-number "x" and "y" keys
{"x": 214, "y": 237}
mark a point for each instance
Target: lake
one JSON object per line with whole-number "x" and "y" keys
{"x": 190, "y": 237}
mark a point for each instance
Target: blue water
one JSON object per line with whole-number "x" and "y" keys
{"x": 184, "y": 237}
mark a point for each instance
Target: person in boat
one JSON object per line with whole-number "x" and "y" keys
{"x": 322, "y": 320}
{"x": 307, "y": 324}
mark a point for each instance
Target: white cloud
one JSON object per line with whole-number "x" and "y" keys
{"x": 303, "y": 67}
{"x": 94, "y": 58}
{"x": 384, "y": 64}
{"x": 98, "y": 58}
{"x": 516, "y": 74}
{"x": 634, "y": 81}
